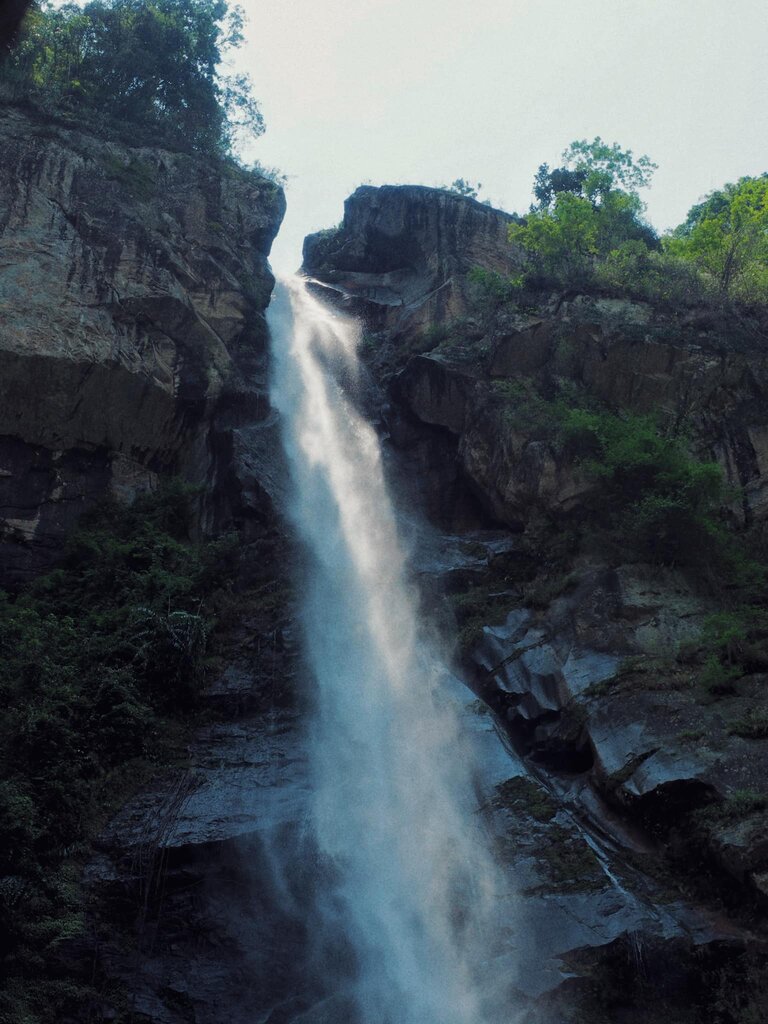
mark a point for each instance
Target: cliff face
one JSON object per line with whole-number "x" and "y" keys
{"x": 402, "y": 258}
{"x": 604, "y": 665}
{"x": 407, "y": 250}
{"x": 133, "y": 283}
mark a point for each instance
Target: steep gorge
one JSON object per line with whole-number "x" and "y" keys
{"x": 627, "y": 804}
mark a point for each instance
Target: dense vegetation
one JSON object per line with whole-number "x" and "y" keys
{"x": 103, "y": 661}
{"x": 587, "y": 230}
{"x": 146, "y": 66}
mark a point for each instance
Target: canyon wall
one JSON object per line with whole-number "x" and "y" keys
{"x": 133, "y": 283}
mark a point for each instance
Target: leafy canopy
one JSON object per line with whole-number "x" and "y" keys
{"x": 606, "y": 167}
{"x": 726, "y": 235}
{"x": 149, "y": 63}
{"x": 586, "y": 209}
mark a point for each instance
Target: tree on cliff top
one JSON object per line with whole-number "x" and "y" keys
{"x": 149, "y": 63}
{"x": 726, "y": 235}
{"x": 586, "y": 209}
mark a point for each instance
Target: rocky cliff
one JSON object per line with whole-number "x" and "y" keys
{"x": 407, "y": 250}
{"x": 133, "y": 283}
{"x": 605, "y": 659}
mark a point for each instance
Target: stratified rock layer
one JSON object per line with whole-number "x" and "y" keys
{"x": 133, "y": 283}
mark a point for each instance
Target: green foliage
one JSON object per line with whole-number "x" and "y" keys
{"x": 730, "y": 640}
{"x": 727, "y": 237}
{"x": 648, "y": 487}
{"x": 153, "y": 64}
{"x": 560, "y": 241}
{"x": 587, "y": 231}
{"x": 464, "y": 188}
{"x": 547, "y": 184}
{"x": 661, "y": 497}
{"x": 492, "y": 290}
{"x": 587, "y": 209}
{"x": 607, "y": 167}
{"x": 649, "y": 491}
{"x": 634, "y": 270}
{"x": 99, "y": 655}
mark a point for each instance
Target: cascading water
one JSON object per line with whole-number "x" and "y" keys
{"x": 394, "y": 810}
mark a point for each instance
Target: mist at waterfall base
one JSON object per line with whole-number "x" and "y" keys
{"x": 407, "y": 908}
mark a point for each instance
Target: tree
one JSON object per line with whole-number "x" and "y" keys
{"x": 586, "y": 209}
{"x": 726, "y": 235}
{"x": 465, "y": 188}
{"x": 547, "y": 184}
{"x": 608, "y": 166}
{"x": 154, "y": 63}
{"x": 562, "y": 239}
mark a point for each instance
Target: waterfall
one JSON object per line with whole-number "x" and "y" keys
{"x": 394, "y": 812}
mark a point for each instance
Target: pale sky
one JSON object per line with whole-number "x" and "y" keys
{"x": 425, "y": 91}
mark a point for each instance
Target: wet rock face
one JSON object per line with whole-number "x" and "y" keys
{"x": 132, "y": 341}
{"x": 639, "y": 778}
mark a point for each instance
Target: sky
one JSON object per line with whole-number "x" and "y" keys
{"x": 426, "y": 91}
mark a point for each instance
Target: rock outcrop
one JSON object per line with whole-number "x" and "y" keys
{"x": 402, "y": 258}
{"x": 406, "y": 250}
{"x": 133, "y": 283}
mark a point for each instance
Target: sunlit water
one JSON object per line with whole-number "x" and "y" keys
{"x": 395, "y": 815}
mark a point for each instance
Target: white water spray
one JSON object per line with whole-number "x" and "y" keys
{"x": 394, "y": 810}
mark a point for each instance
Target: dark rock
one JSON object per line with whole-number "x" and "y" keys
{"x": 404, "y": 252}
{"x": 133, "y": 283}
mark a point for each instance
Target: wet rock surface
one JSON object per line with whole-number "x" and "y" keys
{"x": 203, "y": 880}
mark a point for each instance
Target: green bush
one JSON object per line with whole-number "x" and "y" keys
{"x": 492, "y": 289}
{"x": 652, "y": 489}
{"x": 649, "y": 490}
{"x": 638, "y": 272}
{"x": 726, "y": 237}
